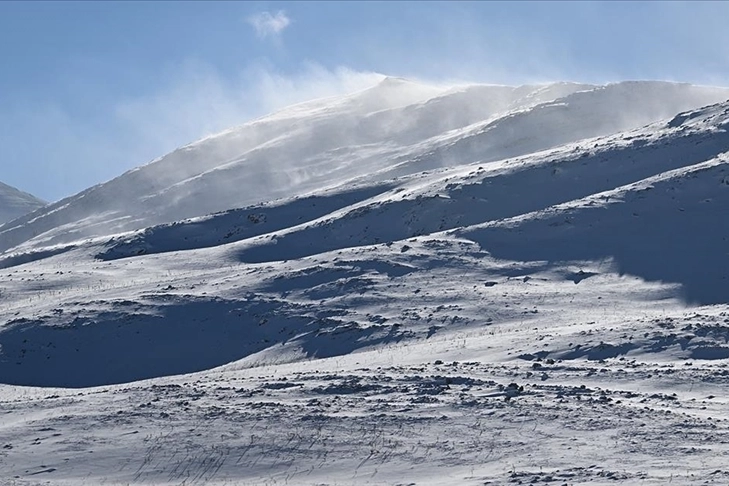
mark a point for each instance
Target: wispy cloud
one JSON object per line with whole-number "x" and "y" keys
{"x": 267, "y": 24}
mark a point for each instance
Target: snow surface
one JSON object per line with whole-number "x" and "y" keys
{"x": 15, "y": 203}
{"x": 546, "y": 303}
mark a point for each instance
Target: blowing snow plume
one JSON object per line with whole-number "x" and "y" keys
{"x": 395, "y": 128}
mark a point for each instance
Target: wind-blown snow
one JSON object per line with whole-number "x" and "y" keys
{"x": 546, "y": 303}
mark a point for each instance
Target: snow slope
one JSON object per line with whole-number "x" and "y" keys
{"x": 559, "y": 315}
{"x": 395, "y": 128}
{"x": 15, "y": 203}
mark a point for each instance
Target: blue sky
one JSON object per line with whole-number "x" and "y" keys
{"x": 89, "y": 90}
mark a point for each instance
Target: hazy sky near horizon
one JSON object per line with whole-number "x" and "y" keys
{"x": 89, "y": 90}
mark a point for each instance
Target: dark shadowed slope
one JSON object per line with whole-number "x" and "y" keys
{"x": 669, "y": 228}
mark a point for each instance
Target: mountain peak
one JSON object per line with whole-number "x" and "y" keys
{"x": 15, "y": 203}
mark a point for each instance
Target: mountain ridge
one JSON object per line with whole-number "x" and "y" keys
{"x": 274, "y": 157}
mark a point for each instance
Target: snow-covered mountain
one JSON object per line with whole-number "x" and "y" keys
{"x": 15, "y": 203}
{"x": 645, "y": 202}
{"x": 539, "y": 295}
{"x": 395, "y": 128}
